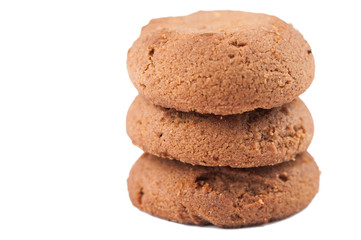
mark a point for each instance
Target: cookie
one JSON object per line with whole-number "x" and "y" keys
{"x": 220, "y": 62}
{"x": 222, "y": 196}
{"x": 257, "y": 138}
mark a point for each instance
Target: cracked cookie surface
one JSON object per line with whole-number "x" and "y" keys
{"x": 220, "y": 62}
{"x": 257, "y": 138}
{"x": 222, "y": 196}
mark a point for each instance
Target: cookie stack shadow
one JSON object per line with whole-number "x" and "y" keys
{"x": 218, "y": 115}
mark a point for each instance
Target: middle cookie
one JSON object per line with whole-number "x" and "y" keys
{"x": 257, "y": 138}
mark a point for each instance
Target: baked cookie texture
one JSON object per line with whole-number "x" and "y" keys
{"x": 257, "y": 138}
{"x": 220, "y": 62}
{"x": 222, "y": 196}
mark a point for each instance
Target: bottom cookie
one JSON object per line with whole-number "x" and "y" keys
{"x": 222, "y": 196}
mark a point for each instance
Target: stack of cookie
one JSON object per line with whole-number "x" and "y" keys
{"x": 219, "y": 118}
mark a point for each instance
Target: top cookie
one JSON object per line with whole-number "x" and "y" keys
{"x": 221, "y": 62}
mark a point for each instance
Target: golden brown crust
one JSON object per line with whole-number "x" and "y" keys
{"x": 221, "y": 62}
{"x": 222, "y": 196}
{"x": 257, "y": 138}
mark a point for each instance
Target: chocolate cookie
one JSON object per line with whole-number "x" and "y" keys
{"x": 221, "y": 62}
{"x": 222, "y": 196}
{"x": 257, "y": 138}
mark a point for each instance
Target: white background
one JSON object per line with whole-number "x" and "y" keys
{"x": 65, "y": 91}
